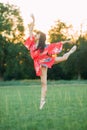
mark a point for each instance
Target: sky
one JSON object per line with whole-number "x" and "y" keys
{"x": 46, "y": 12}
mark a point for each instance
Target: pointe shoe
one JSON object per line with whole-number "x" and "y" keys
{"x": 42, "y": 104}
{"x": 73, "y": 49}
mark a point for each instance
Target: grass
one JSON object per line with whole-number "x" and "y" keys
{"x": 65, "y": 108}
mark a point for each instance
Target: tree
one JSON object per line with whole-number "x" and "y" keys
{"x": 18, "y": 64}
{"x": 76, "y": 65}
{"x": 81, "y": 61}
{"x": 11, "y": 23}
{"x": 58, "y": 32}
{"x": 15, "y": 62}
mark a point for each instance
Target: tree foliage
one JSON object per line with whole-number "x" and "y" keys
{"x": 11, "y": 23}
{"x": 81, "y": 61}
{"x": 76, "y": 66}
{"x": 18, "y": 64}
{"x": 58, "y": 32}
{"x": 15, "y": 61}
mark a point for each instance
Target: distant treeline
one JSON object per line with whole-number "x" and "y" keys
{"x": 15, "y": 60}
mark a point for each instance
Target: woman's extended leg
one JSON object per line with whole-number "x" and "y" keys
{"x": 43, "y": 85}
{"x": 66, "y": 55}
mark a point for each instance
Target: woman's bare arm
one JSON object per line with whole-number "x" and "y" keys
{"x": 31, "y": 25}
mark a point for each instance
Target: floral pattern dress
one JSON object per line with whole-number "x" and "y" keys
{"x": 46, "y": 58}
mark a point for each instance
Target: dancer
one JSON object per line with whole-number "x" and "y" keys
{"x": 44, "y": 56}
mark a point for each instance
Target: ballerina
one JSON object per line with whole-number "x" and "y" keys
{"x": 44, "y": 56}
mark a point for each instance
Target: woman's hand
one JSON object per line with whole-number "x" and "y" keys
{"x": 33, "y": 18}
{"x": 31, "y": 25}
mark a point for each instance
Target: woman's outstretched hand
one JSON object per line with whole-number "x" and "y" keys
{"x": 33, "y": 18}
{"x": 31, "y": 25}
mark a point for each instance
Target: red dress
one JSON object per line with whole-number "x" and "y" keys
{"x": 45, "y": 58}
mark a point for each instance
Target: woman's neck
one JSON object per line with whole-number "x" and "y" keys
{"x": 37, "y": 42}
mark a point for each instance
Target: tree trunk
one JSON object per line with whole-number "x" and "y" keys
{"x": 79, "y": 76}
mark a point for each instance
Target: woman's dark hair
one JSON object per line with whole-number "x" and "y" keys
{"x": 42, "y": 39}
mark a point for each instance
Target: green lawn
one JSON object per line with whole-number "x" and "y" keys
{"x": 65, "y": 108}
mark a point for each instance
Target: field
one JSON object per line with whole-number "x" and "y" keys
{"x": 65, "y": 108}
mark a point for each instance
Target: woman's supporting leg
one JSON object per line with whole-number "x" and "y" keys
{"x": 43, "y": 86}
{"x": 65, "y": 56}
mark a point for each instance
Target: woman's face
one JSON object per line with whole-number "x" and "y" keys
{"x": 37, "y": 36}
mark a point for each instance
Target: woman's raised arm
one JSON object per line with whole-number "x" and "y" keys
{"x": 31, "y": 25}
